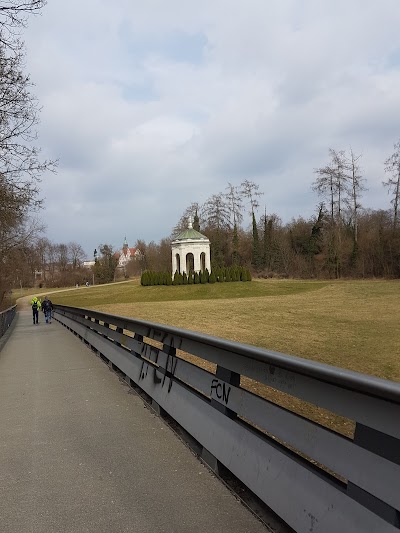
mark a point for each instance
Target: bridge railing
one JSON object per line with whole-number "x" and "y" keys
{"x": 314, "y": 478}
{"x": 6, "y": 318}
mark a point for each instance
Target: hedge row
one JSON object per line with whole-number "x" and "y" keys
{"x": 220, "y": 275}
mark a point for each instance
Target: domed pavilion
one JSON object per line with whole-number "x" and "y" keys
{"x": 190, "y": 252}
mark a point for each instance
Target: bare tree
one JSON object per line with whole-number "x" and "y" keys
{"x": 392, "y": 166}
{"x": 20, "y": 162}
{"x": 330, "y": 182}
{"x": 193, "y": 210}
{"x": 355, "y": 187}
{"x": 13, "y": 16}
{"x": 331, "y": 185}
{"x": 234, "y": 200}
{"x": 216, "y": 212}
{"x": 250, "y": 190}
{"x": 76, "y": 254}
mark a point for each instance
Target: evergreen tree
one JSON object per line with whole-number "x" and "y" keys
{"x": 196, "y": 278}
{"x": 190, "y": 278}
{"x": 392, "y": 166}
{"x": 185, "y": 279}
{"x": 212, "y": 278}
{"x": 235, "y": 245}
{"x": 267, "y": 243}
{"x": 196, "y": 221}
{"x": 256, "y": 246}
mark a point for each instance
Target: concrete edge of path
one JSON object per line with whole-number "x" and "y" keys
{"x": 7, "y": 334}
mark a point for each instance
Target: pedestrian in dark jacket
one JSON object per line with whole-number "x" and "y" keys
{"x": 47, "y": 307}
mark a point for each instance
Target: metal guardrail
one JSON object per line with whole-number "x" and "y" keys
{"x": 315, "y": 479}
{"x": 6, "y": 318}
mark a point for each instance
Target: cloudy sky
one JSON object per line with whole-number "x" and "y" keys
{"x": 151, "y": 105}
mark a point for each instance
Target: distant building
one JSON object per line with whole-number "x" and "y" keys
{"x": 126, "y": 254}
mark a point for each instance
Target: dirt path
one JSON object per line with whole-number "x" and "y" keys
{"x": 23, "y": 303}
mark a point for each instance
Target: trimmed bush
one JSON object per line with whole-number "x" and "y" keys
{"x": 233, "y": 273}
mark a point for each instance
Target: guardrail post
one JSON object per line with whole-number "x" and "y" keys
{"x": 119, "y": 330}
{"x": 232, "y": 378}
{"x": 388, "y": 447}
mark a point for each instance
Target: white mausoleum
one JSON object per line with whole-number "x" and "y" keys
{"x": 190, "y": 252}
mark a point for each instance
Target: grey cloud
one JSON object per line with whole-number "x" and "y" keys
{"x": 152, "y": 106}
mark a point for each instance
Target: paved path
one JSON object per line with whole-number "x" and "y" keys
{"x": 79, "y": 452}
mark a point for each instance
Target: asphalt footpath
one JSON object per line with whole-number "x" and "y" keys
{"x": 80, "y": 452}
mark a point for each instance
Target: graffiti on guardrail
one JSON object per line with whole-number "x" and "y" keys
{"x": 168, "y": 372}
{"x": 221, "y": 389}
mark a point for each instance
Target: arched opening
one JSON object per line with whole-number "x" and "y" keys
{"x": 189, "y": 263}
{"x": 202, "y": 261}
{"x": 178, "y": 263}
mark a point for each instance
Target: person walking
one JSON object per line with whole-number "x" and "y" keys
{"x": 35, "y": 304}
{"x": 47, "y": 307}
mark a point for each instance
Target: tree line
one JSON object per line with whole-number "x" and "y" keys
{"x": 21, "y": 164}
{"x": 342, "y": 239}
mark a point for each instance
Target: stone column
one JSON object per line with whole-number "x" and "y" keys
{"x": 196, "y": 256}
{"x": 208, "y": 260}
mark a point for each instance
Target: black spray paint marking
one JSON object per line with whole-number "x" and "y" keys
{"x": 156, "y": 380}
{"x": 222, "y": 390}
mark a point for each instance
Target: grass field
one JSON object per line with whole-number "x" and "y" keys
{"x": 349, "y": 324}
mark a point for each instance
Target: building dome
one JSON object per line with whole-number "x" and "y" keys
{"x": 191, "y": 234}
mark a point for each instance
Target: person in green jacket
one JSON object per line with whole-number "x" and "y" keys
{"x": 36, "y": 305}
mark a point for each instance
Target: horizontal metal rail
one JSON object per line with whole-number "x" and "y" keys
{"x": 6, "y": 318}
{"x": 315, "y": 479}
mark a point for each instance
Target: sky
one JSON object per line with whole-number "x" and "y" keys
{"x": 149, "y": 106}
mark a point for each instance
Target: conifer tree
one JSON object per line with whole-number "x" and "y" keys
{"x": 256, "y": 246}
{"x": 196, "y": 221}
{"x": 235, "y": 245}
